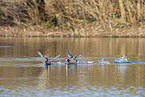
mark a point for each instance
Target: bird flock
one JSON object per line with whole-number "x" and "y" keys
{"x": 73, "y": 59}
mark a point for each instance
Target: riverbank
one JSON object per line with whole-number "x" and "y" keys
{"x": 37, "y": 31}
{"x": 67, "y": 18}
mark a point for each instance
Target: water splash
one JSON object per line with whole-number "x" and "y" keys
{"x": 103, "y": 62}
{"x": 121, "y": 59}
{"x": 90, "y": 62}
{"x": 59, "y": 62}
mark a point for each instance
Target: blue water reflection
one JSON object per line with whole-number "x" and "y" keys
{"x": 74, "y": 91}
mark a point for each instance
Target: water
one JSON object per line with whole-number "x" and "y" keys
{"x": 22, "y": 70}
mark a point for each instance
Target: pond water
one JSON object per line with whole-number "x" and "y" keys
{"x": 22, "y": 70}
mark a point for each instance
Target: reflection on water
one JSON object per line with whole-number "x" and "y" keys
{"x": 85, "y": 80}
{"x": 88, "y": 47}
{"x": 22, "y": 72}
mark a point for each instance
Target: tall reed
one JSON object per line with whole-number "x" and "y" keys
{"x": 73, "y": 17}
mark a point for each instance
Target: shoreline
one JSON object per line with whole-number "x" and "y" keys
{"x": 80, "y": 31}
{"x": 13, "y": 33}
{"x": 97, "y": 36}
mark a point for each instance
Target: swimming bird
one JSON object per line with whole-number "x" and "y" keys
{"x": 72, "y": 59}
{"x": 47, "y": 60}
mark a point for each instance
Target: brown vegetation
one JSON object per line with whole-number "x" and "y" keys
{"x": 72, "y": 18}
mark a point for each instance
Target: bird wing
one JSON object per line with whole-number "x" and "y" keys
{"x": 42, "y": 55}
{"x": 69, "y": 54}
{"x": 78, "y": 55}
{"x": 55, "y": 57}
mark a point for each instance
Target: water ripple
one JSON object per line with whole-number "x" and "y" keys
{"x": 75, "y": 92}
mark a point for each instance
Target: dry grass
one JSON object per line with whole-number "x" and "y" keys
{"x": 80, "y": 18}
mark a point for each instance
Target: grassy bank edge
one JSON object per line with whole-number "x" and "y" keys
{"x": 101, "y": 32}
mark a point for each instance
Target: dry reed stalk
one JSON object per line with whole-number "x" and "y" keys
{"x": 129, "y": 11}
{"x": 138, "y": 10}
{"x": 122, "y": 10}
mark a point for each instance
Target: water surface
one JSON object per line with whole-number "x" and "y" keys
{"x": 22, "y": 70}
